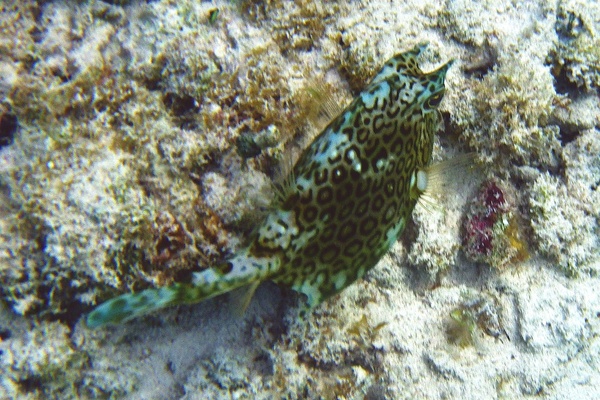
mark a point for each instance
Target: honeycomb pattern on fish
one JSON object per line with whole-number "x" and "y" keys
{"x": 355, "y": 186}
{"x": 347, "y": 200}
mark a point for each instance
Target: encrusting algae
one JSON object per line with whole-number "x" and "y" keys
{"x": 345, "y": 203}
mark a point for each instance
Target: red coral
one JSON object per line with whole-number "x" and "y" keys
{"x": 490, "y": 204}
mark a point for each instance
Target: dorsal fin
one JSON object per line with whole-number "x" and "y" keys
{"x": 321, "y": 106}
{"x": 285, "y": 180}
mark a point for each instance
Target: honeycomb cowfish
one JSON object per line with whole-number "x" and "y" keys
{"x": 346, "y": 201}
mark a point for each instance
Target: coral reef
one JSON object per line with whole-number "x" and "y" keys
{"x": 71, "y": 181}
{"x": 297, "y": 26}
{"x": 137, "y": 142}
{"x": 555, "y": 317}
{"x": 31, "y": 367}
{"x": 347, "y": 360}
{"x": 576, "y": 55}
{"x": 103, "y": 175}
{"x": 506, "y": 95}
{"x": 508, "y": 124}
{"x": 564, "y": 228}
{"x": 436, "y": 244}
{"x": 565, "y": 214}
{"x": 469, "y": 22}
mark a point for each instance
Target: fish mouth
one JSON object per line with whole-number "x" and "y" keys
{"x": 445, "y": 67}
{"x": 441, "y": 71}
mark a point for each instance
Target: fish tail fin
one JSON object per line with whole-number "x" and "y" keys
{"x": 131, "y": 305}
{"x": 237, "y": 272}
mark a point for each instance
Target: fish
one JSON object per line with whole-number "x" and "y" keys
{"x": 343, "y": 205}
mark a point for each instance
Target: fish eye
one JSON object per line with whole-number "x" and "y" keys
{"x": 434, "y": 100}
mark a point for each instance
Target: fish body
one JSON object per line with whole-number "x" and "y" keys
{"x": 346, "y": 201}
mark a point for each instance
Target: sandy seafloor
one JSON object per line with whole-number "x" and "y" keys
{"x": 117, "y": 108}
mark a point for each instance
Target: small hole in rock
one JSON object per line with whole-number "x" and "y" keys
{"x": 8, "y": 128}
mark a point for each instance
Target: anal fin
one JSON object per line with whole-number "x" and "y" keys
{"x": 241, "y": 298}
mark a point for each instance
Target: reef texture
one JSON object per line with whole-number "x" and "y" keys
{"x": 138, "y": 143}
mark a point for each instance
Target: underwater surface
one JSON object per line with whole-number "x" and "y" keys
{"x": 150, "y": 144}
